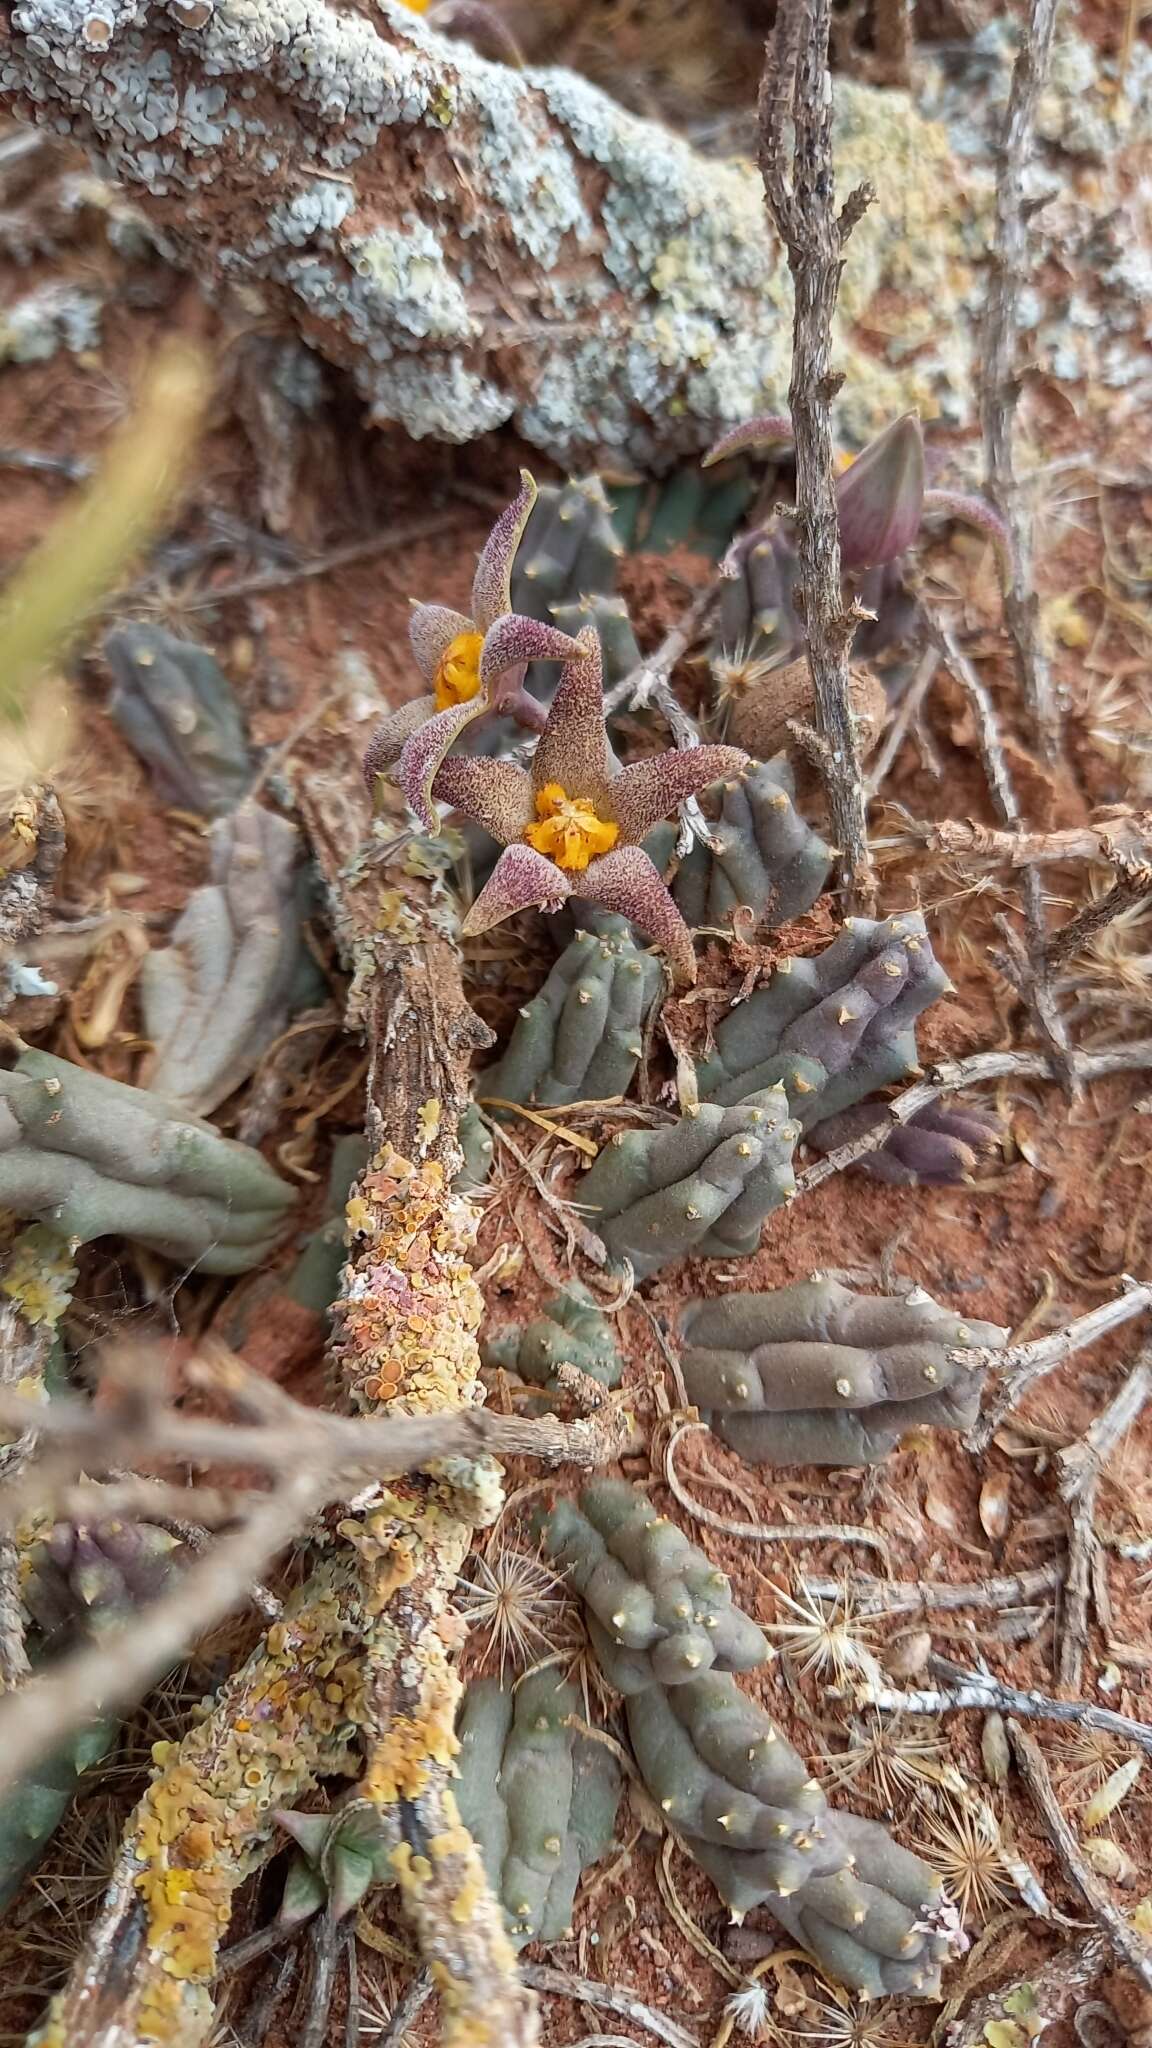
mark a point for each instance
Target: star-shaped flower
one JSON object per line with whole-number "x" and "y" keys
{"x": 880, "y": 496}
{"x": 474, "y": 666}
{"x": 571, "y": 823}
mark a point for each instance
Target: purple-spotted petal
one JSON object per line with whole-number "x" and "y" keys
{"x": 515, "y": 640}
{"x": 768, "y": 430}
{"x": 573, "y": 747}
{"x": 880, "y": 497}
{"x": 424, "y": 751}
{"x": 521, "y": 880}
{"x": 492, "y": 585}
{"x": 626, "y": 882}
{"x": 496, "y": 795}
{"x": 649, "y": 790}
{"x": 387, "y": 742}
{"x": 976, "y": 512}
{"x": 431, "y": 631}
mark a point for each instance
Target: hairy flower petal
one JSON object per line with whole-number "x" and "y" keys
{"x": 431, "y": 631}
{"x": 492, "y": 584}
{"x": 496, "y": 795}
{"x": 424, "y": 751}
{"x": 880, "y": 497}
{"x": 387, "y": 742}
{"x": 520, "y": 880}
{"x": 768, "y": 430}
{"x": 626, "y": 882}
{"x": 573, "y": 748}
{"x": 514, "y": 640}
{"x": 647, "y": 791}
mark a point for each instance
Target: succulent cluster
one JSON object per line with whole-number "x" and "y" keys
{"x": 538, "y": 1799}
{"x": 564, "y": 574}
{"x": 816, "y": 1374}
{"x": 580, "y": 1039}
{"x": 90, "y": 1157}
{"x": 668, "y": 1636}
{"x": 570, "y": 1331}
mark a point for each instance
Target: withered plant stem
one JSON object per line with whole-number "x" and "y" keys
{"x": 799, "y": 185}
{"x": 1000, "y": 378}
{"x": 1080, "y": 1467}
{"x": 961, "y": 1691}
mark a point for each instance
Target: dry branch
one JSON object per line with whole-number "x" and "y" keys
{"x": 1130, "y": 1946}
{"x": 964, "y": 1691}
{"x": 797, "y": 88}
{"x": 476, "y": 244}
{"x": 1118, "y": 837}
{"x": 1080, "y": 1467}
{"x": 1023, "y": 1364}
{"x": 1000, "y": 382}
{"x": 969, "y": 1073}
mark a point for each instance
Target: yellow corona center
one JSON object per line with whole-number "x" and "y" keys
{"x": 416, "y": 6}
{"x": 458, "y": 670}
{"x": 569, "y": 831}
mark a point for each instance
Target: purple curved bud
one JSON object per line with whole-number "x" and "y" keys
{"x": 767, "y": 430}
{"x": 977, "y": 512}
{"x": 521, "y": 880}
{"x": 492, "y": 584}
{"x": 880, "y": 498}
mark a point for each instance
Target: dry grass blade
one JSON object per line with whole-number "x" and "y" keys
{"x": 519, "y": 1604}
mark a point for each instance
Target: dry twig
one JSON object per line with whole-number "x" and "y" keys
{"x": 1130, "y": 1946}
{"x": 1023, "y": 1364}
{"x": 607, "y": 1998}
{"x": 1000, "y": 383}
{"x": 797, "y": 86}
{"x": 962, "y": 1690}
{"x": 1080, "y": 1467}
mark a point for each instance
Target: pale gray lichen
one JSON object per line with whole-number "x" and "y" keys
{"x": 511, "y": 246}
{"x": 55, "y": 316}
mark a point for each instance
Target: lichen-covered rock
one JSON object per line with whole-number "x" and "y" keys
{"x": 659, "y": 1613}
{"x": 762, "y": 857}
{"x": 93, "y": 1158}
{"x": 175, "y": 707}
{"x": 571, "y": 1331}
{"x": 702, "y": 1185}
{"x": 235, "y": 966}
{"x": 579, "y": 1040}
{"x": 833, "y": 1028}
{"x": 818, "y": 1375}
{"x": 538, "y": 1799}
{"x": 937, "y": 1148}
{"x": 743, "y": 1802}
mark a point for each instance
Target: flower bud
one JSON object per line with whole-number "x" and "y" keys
{"x": 880, "y": 497}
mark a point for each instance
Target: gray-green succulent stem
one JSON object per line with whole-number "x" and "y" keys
{"x": 91, "y": 1158}
{"x": 176, "y": 708}
{"x": 581, "y": 1038}
{"x": 538, "y": 1799}
{"x": 833, "y": 1028}
{"x": 761, "y": 855}
{"x": 571, "y": 1331}
{"x": 221, "y": 990}
{"x": 816, "y": 1374}
{"x": 666, "y": 1632}
{"x": 703, "y": 1185}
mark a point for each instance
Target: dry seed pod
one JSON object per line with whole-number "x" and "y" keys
{"x": 994, "y": 1749}
{"x": 763, "y": 707}
{"x": 1108, "y": 1859}
{"x": 1112, "y": 1793}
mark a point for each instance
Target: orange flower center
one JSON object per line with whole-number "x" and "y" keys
{"x": 458, "y": 671}
{"x": 569, "y": 831}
